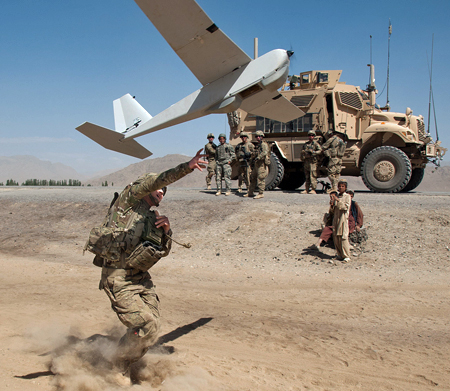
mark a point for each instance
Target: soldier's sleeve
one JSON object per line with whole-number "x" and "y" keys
{"x": 327, "y": 144}
{"x": 166, "y": 243}
{"x": 318, "y": 148}
{"x": 233, "y": 155}
{"x": 266, "y": 149}
{"x": 156, "y": 182}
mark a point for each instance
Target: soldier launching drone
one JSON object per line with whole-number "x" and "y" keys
{"x": 132, "y": 238}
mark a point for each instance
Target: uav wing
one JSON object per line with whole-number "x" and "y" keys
{"x": 200, "y": 44}
{"x": 275, "y": 106}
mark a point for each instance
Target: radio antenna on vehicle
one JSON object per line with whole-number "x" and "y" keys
{"x": 431, "y": 95}
{"x": 389, "y": 57}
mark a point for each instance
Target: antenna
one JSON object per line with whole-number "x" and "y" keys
{"x": 371, "y": 86}
{"x": 430, "y": 71}
{"x": 389, "y": 57}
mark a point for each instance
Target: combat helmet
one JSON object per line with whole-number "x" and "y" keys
{"x": 243, "y": 134}
{"x": 259, "y": 133}
{"x": 210, "y": 135}
{"x": 311, "y": 133}
{"x": 223, "y": 135}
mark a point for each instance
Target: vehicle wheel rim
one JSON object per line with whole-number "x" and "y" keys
{"x": 384, "y": 171}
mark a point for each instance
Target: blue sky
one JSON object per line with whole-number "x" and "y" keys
{"x": 64, "y": 62}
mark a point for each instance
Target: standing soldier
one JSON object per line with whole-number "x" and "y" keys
{"x": 244, "y": 151}
{"x": 224, "y": 157}
{"x": 210, "y": 152}
{"x": 260, "y": 163}
{"x": 311, "y": 150}
{"x": 333, "y": 149}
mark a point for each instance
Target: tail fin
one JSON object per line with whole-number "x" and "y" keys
{"x": 129, "y": 114}
{"x": 114, "y": 141}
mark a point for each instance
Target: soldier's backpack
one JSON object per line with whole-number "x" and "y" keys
{"x": 105, "y": 241}
{"x": 340, "y": 149}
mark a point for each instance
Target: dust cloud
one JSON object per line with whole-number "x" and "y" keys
{"x": 85, "y": 364}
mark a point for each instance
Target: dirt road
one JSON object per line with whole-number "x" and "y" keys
{"x": 248, "y": 307}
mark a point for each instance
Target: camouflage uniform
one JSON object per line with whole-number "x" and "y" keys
{"x": 131, "y": 291}
{"x": 260, "y": 163}
{"x": 309, "y": 154}
{"x": 210, "y": 151}
{"x": 224, "y": 156}
{"x": 330, "y": 150}
{"x": 244, "y": 152}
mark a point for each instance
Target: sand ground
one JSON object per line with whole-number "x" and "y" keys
{"x": 248, "y": 307}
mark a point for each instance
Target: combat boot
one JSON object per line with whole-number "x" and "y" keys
{"x": 249, "y": 194}
{"x": 219, "y": 192}
{"x": 260, "y": 195}
{"x": 312, "y": 192}
{"x": 239, "y": 190}
{"x": 304, "y": 192}
{"x": 228, "y": 192}
{"x": 209, "y": 187}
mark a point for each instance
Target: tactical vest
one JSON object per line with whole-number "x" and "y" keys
{"x": 223, "y": 153}
{"x": 121, "y": 232}
{"x": 210, "y": 151}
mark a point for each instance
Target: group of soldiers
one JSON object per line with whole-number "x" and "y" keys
{"x": 253, "y": 162}
{"x": 332, "y": 149}
{"x": 254, "y": 159}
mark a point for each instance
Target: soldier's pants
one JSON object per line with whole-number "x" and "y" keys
{"x": 310, "y": 170}
{"x": 342, "y": 246}
{"x": 211, "y": 172}
{"x": 136, "y": 303}
{"x": 223, "y": 170}
{"x": 334, "y": 171}
{"x": 258, "y": 177}
{"x": 244, "y": 176}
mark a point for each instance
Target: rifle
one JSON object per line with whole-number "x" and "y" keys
{"x": 325, "y": 185}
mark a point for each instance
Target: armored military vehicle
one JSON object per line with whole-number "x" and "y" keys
{"x": 388, "y": 150}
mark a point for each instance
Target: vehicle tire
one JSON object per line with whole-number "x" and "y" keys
{"x": 292, "y": 181}
{"x": 416, "y": 178}
{"x": 386, "y": 169}
{"x": 276, "y": 172}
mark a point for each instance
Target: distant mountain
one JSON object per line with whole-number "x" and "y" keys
{"x": 156, "y": 165}
{"x": 23, "y": 167}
